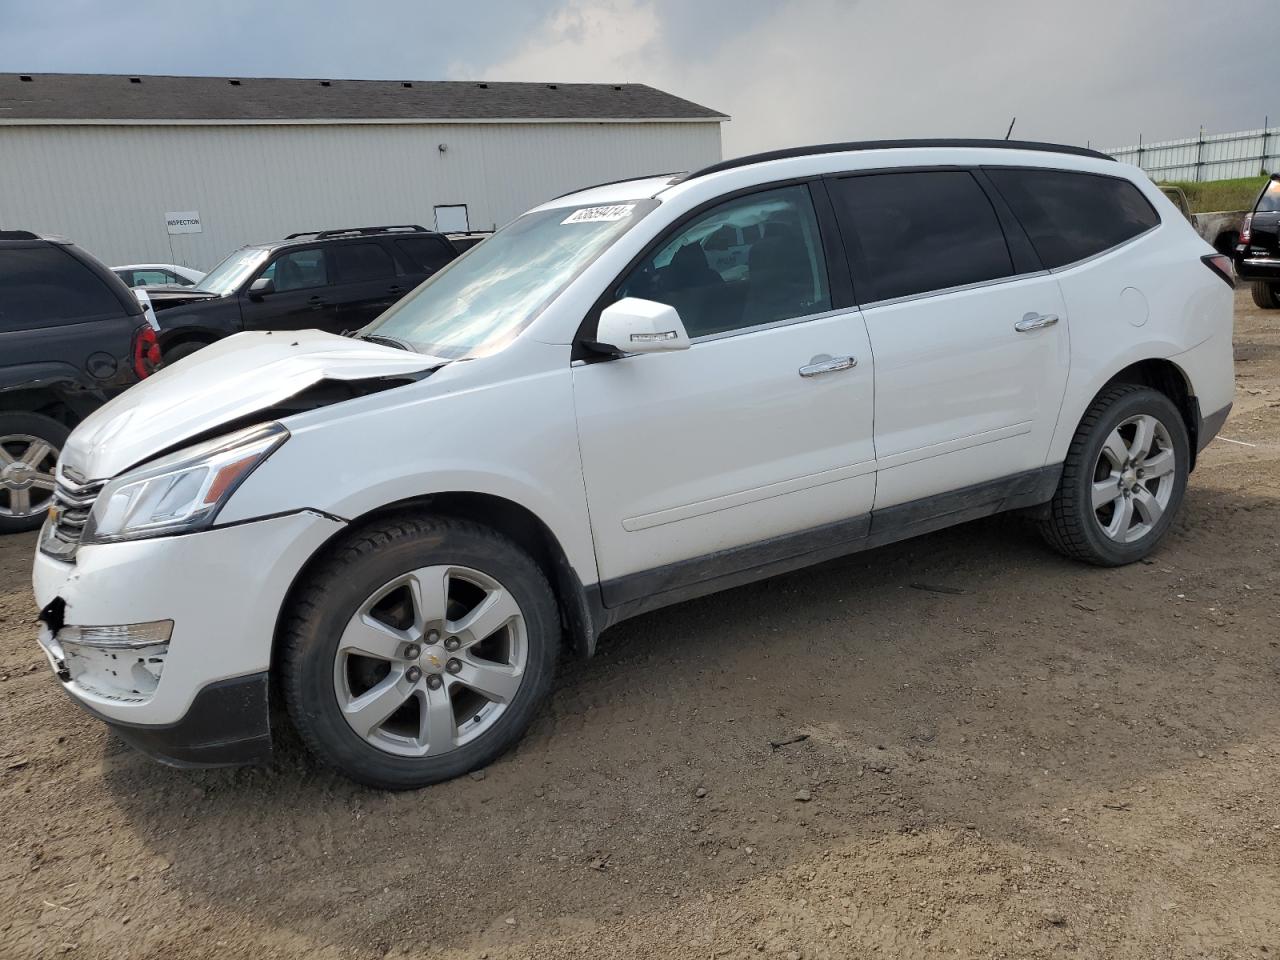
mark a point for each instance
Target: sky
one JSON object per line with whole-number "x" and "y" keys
{"x": 788, "y": 72}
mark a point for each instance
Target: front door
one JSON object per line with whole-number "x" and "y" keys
{"x": 755, "y": 444}
{"x": 302, "y": 298}
{"x": 970, "y": 344}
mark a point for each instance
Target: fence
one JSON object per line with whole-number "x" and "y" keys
{"x": 1218, "y": 156}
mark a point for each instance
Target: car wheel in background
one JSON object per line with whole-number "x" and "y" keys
{"x": 419, "y": 651}
{"x": 176, "y": 353}
{"x": 29, "y": 447}
{"x": 1266, "y": 294}
{"x": 1123, "y": 478}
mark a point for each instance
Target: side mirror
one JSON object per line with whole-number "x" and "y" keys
{"x": 261, "y": 287}
{"x": 633, "y": 325}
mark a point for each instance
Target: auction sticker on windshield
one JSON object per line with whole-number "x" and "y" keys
{"x": 600, "y": 214}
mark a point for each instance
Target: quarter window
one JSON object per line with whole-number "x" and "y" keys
{"x": 426, "y": 253}
{"x": 298, "y": 270}
{"x": 354, "y": 262}
{"x": 919, "y": 232}
{"x": 1071, "y": 216}
{"x": 753, "y": 260}
{"x": 46, "y": 285}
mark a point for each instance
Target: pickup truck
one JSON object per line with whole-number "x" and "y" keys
{"x": 1221, "y": 227}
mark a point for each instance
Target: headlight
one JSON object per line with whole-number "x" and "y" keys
{"x": 181, "y": 492}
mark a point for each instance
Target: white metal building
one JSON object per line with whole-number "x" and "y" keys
{"x": 186, "y": 169}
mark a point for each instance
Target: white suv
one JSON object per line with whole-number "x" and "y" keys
{"x": 630, "y": 396}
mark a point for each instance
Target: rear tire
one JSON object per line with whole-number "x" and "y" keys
{"x": 173, "y": 354}
{"x": 30, "y": 444}
{"x": 1266, "y": 294}
{"x": 419, "y": 651}
{"x": 1123, "y": 478}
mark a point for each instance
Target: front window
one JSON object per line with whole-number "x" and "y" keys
{"x": 227, "y": 276}
{"x": 483, "y": 299}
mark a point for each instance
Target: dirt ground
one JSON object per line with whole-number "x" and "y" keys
{"x": 1007, "y": 755}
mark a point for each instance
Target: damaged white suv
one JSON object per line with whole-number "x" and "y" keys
{"x": 629, "y": 396}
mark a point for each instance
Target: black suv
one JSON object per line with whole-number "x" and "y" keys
{"x": 71, "y": 336}
{"x": 1257, "y": 255}
{"x": 331, "y": 280}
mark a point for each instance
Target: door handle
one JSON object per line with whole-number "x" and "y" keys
{"x": 824, "y": 364}
{"x": 315, "y": 303}
{"x": 1034, "y": 321}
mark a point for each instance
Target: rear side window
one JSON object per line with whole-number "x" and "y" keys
{"x": 1269, "y": 202}
{"x": 1071, "y": 216}
{"x": 353, "y": 262}
{"x": 45, "y": 285}
{"x": 918, "y": 232}
{"x": 428, "y": 254}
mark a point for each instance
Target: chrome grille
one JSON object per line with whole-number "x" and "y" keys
{"x": 70, "y": 511}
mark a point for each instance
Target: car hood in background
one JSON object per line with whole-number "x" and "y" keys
{"x": 223, "y": 383}
{"x": 172, "y": 295}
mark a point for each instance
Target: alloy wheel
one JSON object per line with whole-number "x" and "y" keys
{"x": 1133, "y": 479}
{"x": 431, "y": 661}
{"x": 27, "y": 482}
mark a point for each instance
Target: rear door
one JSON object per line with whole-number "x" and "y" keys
{"x": 971, "y": 348}
{"x": 365, "y": 282}
{"x": 423, "y": 256}
{"x": 302, "y": 298}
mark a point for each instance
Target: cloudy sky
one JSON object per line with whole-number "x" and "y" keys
{"x": 788, "y": 71}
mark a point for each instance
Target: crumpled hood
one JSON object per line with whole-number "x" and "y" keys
{"x": 222, "y": 383}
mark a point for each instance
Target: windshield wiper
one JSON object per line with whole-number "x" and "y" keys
{"x": 385, "y": 341}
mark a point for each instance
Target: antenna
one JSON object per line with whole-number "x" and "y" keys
{"x": 1010, "y": 130}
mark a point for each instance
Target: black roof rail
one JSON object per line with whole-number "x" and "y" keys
{"x": 18, "y": 235}
{"x": 610, "y": 183}
{"x": 893, "y": 145}
{"x": 360, "y": 231}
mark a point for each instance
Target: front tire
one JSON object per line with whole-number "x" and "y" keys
{"x": 1266, "y": 294}
{"x": 176, "y": 353}
{"x": 419, "y": 651}
{"x": 1123, "y": 479}
{"x": 29, "y": 447}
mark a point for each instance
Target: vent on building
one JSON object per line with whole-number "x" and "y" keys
{"x": 24, "y": 78}
{"x": 553, "y": 86}
{"x": 325, "y": 83}
{"x": 135, "y": 79}
{"x": 234, "y": 83}
{"x": 482, "y": 86}
{"x": 406, "y": 84}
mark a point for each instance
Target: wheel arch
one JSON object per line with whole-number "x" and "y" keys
{"x": 1166, "y": 377}
{"x": 579, "y": 611}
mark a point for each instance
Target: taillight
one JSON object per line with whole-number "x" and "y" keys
{"x": 1221, "y": 265}
{"x": 146, "y": 351}
{"x": 1246, "y": 228}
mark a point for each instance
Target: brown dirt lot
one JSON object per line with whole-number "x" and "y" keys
{"x": 1056, "y": 760}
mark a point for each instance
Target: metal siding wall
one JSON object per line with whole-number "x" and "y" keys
{"x": 108, "y": 187}
{"x": 1220, "y": 156}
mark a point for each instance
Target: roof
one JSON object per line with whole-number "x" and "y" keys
{"x": 110, "y": 98}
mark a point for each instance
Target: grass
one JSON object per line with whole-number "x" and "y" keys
{"x": 1212, "y": 195}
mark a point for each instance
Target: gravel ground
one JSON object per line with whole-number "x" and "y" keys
{"x": 1005, "y": 754}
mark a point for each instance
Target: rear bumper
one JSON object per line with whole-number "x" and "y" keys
{"x": 1209, "y": 425}
{"x": 227, "y": 724}
{"x": 1257, "y": 268}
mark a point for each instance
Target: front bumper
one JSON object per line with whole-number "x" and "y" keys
{"x": 202, "y": 699}
{"x": 227, "y": 724}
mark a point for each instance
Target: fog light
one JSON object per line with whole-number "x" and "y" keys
{"x": 127, "y": 636}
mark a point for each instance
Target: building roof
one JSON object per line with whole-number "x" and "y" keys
{"x": 109, "y": 98}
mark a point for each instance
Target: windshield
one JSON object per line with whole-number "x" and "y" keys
{"x": 227, "y": 276}
{"x": 483, "y": 299}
